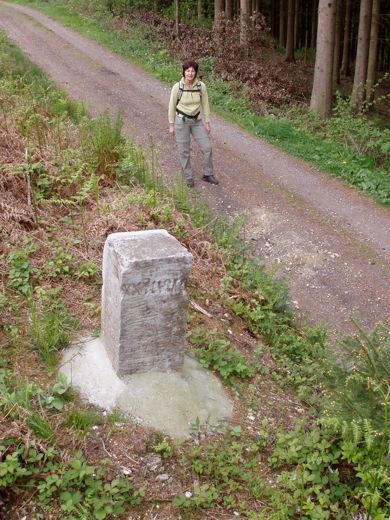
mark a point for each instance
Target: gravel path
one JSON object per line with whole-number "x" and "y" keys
{"x": 332, "y": 243}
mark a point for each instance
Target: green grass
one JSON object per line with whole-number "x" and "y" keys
{"x": 290, "y": 131}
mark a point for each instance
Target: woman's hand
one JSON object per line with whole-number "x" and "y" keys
{"x": 207, "y": 127}
{"x": 172, "y": 129}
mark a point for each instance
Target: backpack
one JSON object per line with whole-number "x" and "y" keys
{"x": 181, "y": 90}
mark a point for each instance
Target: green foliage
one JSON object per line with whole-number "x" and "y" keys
{"x": 19, "y": 398}
{"x": 47, "y": 118}
{"x": 79, "y": 488}
{"x": 341, "y": 462}
{"x": 82, "y": 420}
{"x": 213, "y": 351}
{"x": 3, "y": 301}
{"x": 16, "y": 396}
{"x": 20, "y": 76}
{"x": 312, "y": 487}
{"x": 87, "y": 271}
{"x": 63, "y": 264}
{"x": 358, "y": 131}
{"x": 102, "y": 143}
{"x": 368, "y": 451}
{"x": 164, "y": 448}
{"x": 115, "y": 416}
{"x": 225, "y": 468}
{"x": 358, "y": 380}
{"x": 353, "y": 147}
{"x": 333, "y": 467}
{"x": 40, "y": 426}
{"x": 134, "y": 168}
{"x": 51, "y": 324}
{"x": 262, "y": 302}
{"x": 20, "y": 270}
{"x": 204, "y": 496}
{"x": 18, "y": 464}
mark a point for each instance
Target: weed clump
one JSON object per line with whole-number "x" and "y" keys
{"x": 214, "y": 352}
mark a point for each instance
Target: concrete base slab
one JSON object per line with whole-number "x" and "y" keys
{"x": 166, "y": 401}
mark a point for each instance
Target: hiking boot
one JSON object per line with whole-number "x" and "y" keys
{"x": 190, "y": 183}
{"x": 211, "y": 179}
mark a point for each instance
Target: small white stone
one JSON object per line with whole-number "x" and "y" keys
{"x": 188, "y": 494}
{"x": 162, "y": 478}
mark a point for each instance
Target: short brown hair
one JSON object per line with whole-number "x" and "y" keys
{"x": 188, "y": 64}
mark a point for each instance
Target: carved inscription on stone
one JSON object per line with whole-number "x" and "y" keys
{"x": 144, "y": 303}
{"x": 158, "y": 287}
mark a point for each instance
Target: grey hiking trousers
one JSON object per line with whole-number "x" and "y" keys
{"x": 184, "y": 128}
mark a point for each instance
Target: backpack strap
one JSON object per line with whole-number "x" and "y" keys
{"x": 181, "y": 90}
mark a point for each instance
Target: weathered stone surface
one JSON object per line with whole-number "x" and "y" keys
{"x": 144, "y": 301}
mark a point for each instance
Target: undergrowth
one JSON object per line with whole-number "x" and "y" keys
{"x": 333, "y": 464}
{"x": 214, "y": 352}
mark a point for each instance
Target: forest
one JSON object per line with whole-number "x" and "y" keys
{"x": 350, "y": 40}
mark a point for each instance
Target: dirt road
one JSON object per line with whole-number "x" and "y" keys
{"x": 331, "y": 243}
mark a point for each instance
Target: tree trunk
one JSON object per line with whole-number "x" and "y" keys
{"x": 229, "y": 9}
{"x": 373, "y": 52}
{"x": 244, "y": 23}
{"x": 321, "y": 96}
{"x": 177, "y": 18}
{"x": 314, "y": 23}
{"x": 296, "y": 24}
{"x": 347, "y": 39}
{"x": 337, "y": 44}
{"x": 200, "y": 10}
{"x": 218, "y": 14}
{"x": 289, "y": 56}
{"x": 282, "y": 24}
{"x": 360, "y": 76}
{"x": 274, "y": 19}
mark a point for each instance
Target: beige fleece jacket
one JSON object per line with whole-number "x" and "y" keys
{"x": 190, "y": 102}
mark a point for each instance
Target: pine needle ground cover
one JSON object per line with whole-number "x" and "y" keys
{"x": 309, "y": 437}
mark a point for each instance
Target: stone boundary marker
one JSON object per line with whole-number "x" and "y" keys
{"x": 144, "y": 301}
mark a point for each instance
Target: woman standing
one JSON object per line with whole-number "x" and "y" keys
{"x": 188, "y": 101}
